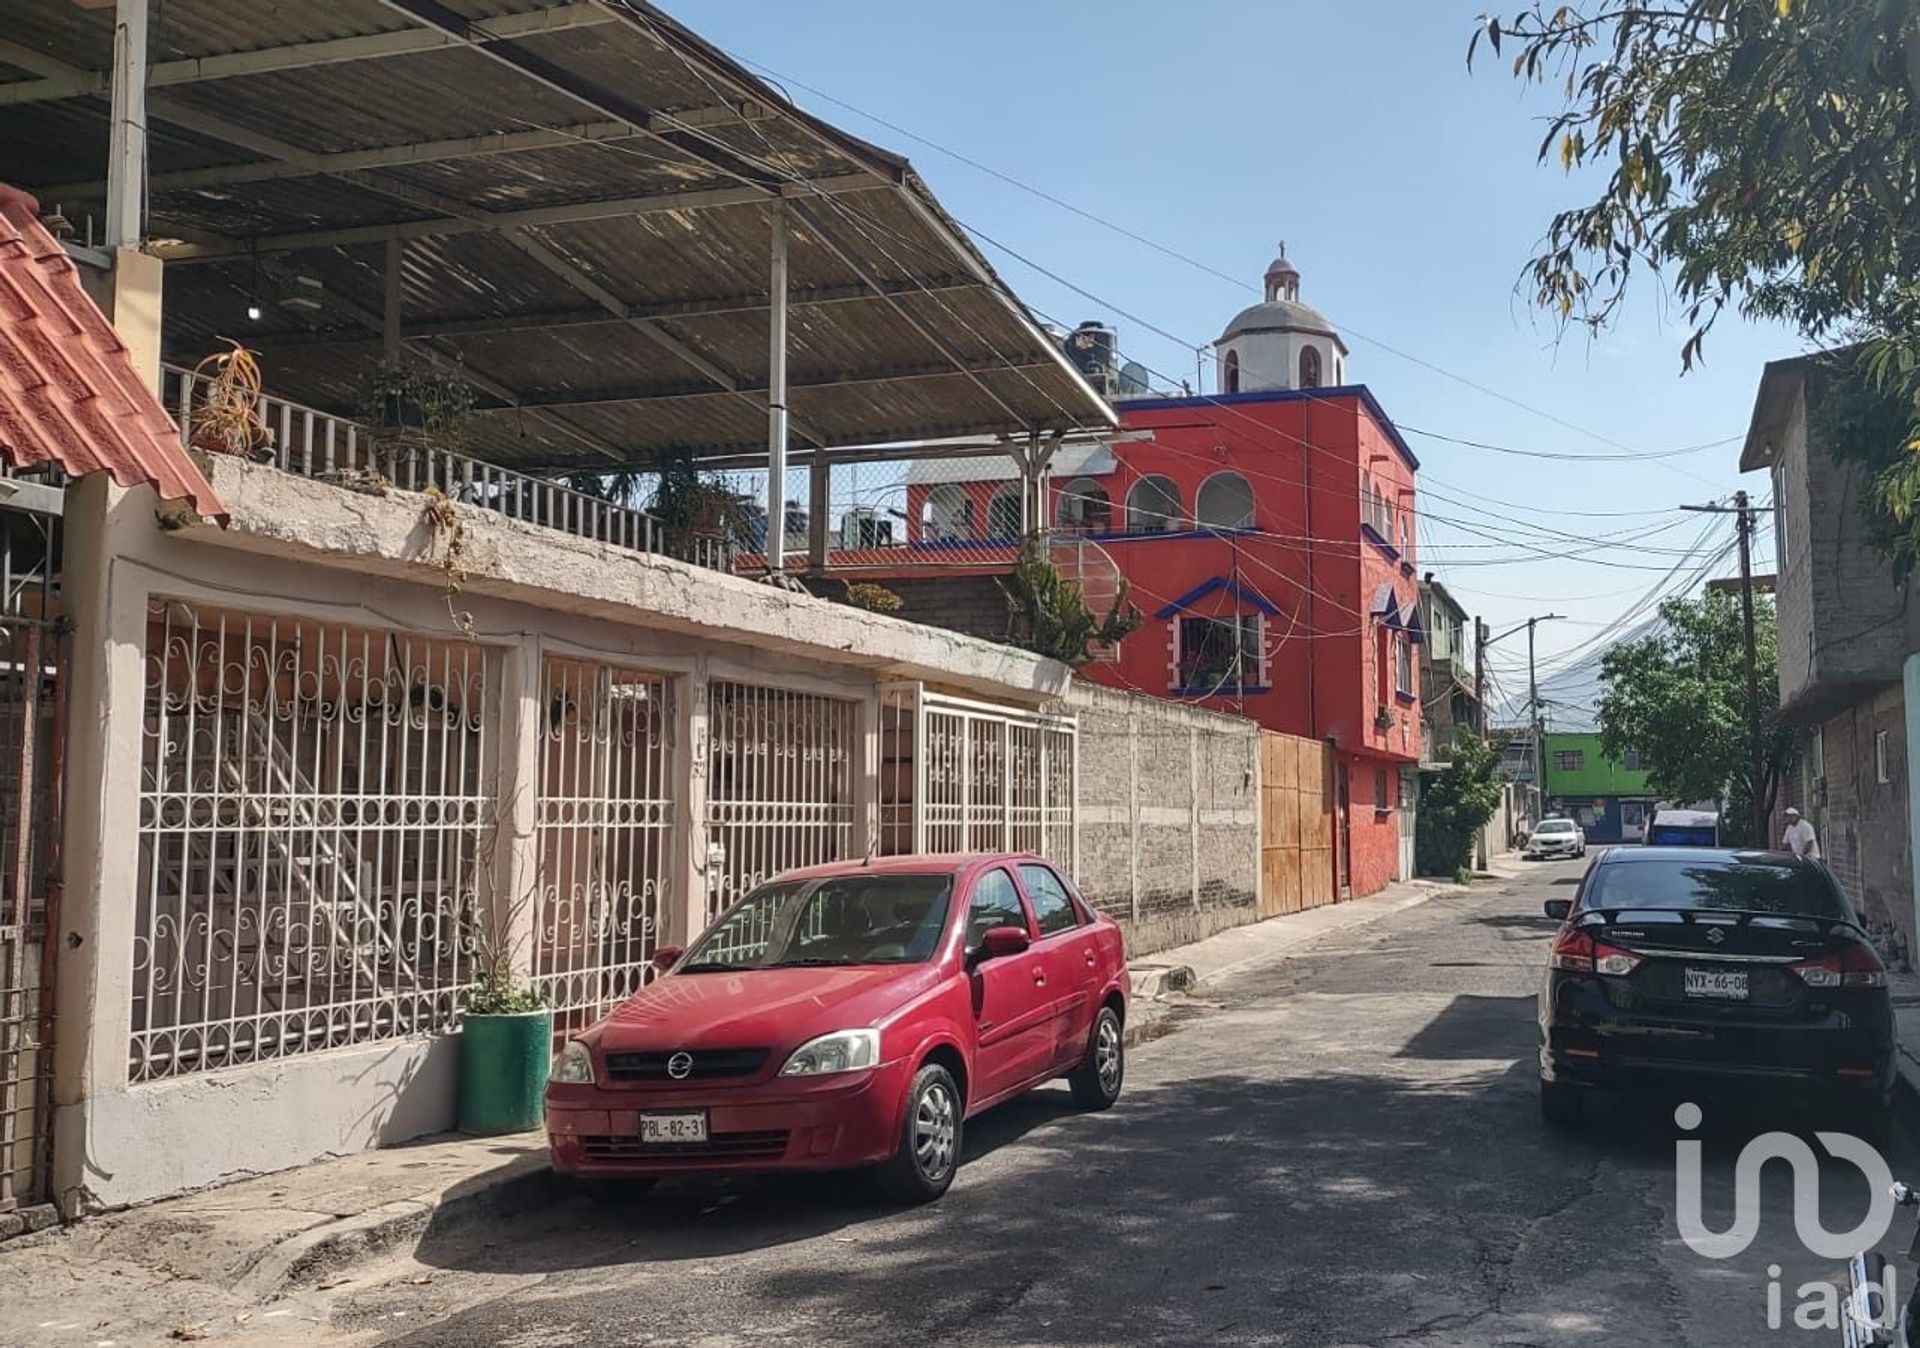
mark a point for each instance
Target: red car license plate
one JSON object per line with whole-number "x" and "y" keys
{"x": 673, "y": 1129}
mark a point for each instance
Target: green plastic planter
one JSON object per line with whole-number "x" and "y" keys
{"x": 504, "y": 1061}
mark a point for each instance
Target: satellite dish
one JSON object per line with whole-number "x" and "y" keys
{"x": 1133, "y": 378}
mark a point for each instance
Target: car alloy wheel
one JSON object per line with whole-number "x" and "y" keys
{"x": 1106, "y": 1055}
{"x": 936, "y": 1129}
{"x": 1096, "y": 1081}
{"x": 932, "y": 1129}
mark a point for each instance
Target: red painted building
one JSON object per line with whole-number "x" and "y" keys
{"x": 1267, "y": 535}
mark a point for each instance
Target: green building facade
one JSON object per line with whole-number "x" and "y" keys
{"x": 1610, "y": 798}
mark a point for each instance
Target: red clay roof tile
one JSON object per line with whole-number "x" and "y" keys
{"x": 69, "y": 394}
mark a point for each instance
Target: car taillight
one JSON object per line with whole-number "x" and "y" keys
{"x": 1577, "y": 952}
{"x": 1855, "y": 966}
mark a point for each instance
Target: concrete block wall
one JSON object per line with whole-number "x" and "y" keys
{"x": 1863, "y": 824}
{"x": 1169, "y": 833}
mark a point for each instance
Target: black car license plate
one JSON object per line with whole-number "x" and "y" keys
{"x": 1720, "y": 985}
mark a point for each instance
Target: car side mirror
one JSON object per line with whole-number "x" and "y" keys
{"x": 666, "y": 957}
{"x": 998, "y": 942}
{"x": 1557, "y": 909}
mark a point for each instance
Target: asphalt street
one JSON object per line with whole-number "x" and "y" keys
{"x": 1345, "y": 1148}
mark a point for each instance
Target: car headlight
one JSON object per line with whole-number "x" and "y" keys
{"x": 574, "y": 1066}
{"x": 842, "y": 1051}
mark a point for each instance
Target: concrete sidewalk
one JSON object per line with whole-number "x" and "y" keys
{"x": 206, "y": 1259}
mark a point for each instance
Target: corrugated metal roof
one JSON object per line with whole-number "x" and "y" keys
{"x": 901, "y": 329}
{"x": 69, "y": 394}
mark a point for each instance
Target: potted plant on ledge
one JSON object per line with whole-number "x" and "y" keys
{"x": 506, "y": 1044}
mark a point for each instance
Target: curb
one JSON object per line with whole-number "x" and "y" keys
{"x": 522, "y": 1186}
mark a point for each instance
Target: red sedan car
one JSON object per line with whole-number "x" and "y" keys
{"x": 850, "y": 1015}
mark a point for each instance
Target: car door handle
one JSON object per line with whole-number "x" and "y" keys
{"x": 1039, "y": 978}
{"x": 1091, "y": 959}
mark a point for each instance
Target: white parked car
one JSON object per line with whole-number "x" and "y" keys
{"x": 1556, "y": 838}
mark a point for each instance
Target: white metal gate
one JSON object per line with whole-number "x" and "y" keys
{"x": 604, "y": 834}
{"x": 314, "y": 807}
{"x": 780, "y": 785}
{"x": 964, "y": 776}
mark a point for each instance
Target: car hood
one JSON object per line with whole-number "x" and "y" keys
{"x": 758, "y": 1008}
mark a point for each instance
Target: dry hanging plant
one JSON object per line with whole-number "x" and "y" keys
{"x": 450, "y": 532}
{"x": 227, "y": 419}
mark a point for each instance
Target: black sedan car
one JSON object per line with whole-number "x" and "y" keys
{"x": 1704, "y": 968}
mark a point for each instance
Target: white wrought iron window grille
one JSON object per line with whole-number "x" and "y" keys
{"x": 959, "y": 776}
{"x": 780, "y": 785}
{"x": 315, "y": 818}
{"x": 604, "y": 835}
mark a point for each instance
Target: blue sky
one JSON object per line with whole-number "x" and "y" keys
{"x": 1406, "y": 190}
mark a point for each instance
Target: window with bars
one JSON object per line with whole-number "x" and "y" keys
{"x": 603, "y": 834}
{"x": 1219, "y": 654}
{"x": 780, "y": 784}
{"x": 1569, "y": 760}
{"x": 1402, "y": 665}
{"x": 315, "y": 810}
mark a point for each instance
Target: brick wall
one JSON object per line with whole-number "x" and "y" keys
{"x": 1862, "y": 824}
{"x": 969, "y": 604}
{"x": 1169, "y": 821}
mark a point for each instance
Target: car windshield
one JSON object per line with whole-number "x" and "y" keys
{"x": 1728, "y": 886}
{"x": 1555, "y": 826}
{"x": 852, "y": 919}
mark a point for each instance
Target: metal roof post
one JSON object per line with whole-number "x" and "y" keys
{"x": 127, "y": 132}
{"x": 777, "y": 397}
{"x": 390, "y": 311}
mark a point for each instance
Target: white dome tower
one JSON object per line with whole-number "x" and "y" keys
{"x": 1280, "y": 343}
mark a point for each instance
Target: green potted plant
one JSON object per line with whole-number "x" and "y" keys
{"x": 1049, "y": 613}
{"x": 410, "y": 404}
{"x": 695, "y": 507}
{"x": 506, "y": 1040}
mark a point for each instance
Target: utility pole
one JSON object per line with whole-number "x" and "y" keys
{"x": 1755, "y": 741}
{"x": 1535, "y": 791}
{"x": 1480, "y": 677}
{"x": 1744, "y": 511}
{"x": 1533, "y": 714}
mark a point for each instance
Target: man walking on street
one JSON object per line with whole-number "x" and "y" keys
{"x": 1799, "y": 838}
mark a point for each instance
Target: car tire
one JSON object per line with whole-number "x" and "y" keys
{"x": 931, "y": 1130}
{"x": 1097, "y": 1080}
{"x": 1562, "y": 1105}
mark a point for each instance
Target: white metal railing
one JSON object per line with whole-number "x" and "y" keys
{"x": 780, "y": 784}
{"x": 327, "y": 448}
{"x": 964, "y": 776}
{"x": 604, "y": 834}
{"x": 315, "y": 811}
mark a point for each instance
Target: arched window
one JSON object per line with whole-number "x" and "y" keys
{"x": 1309, "y": 367}
{"x": 1085, "y": 507}
{"x": 1003, "y": 512}
{"x": 1225, "y": 502}
{"x": 1230, "y": 373}
{"x": 1153, "y": 506}
{"x": 947, "y": 513}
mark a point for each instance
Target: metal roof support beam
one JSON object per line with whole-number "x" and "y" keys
{"x": 374, "y": 323}
{"x": 127, "y": 133}
{"x": 71, "y": 83}
{"x": 530, "y": 65}
{"x": 938, "y": 343}
{"x": 776, "y": 548}
{"x": 529, "y": 217}
{"x": 379, "y": 157}
{"x": 581, "y": 318}
{"x": 646, "y": 393}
